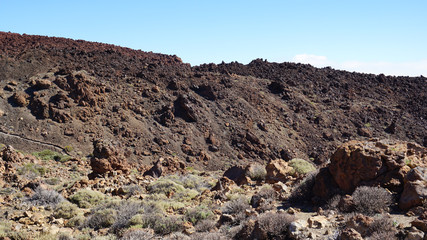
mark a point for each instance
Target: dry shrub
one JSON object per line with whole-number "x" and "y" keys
{"x": 382, "y": 228}
{"x": 237, "y": 208}
{"x": 257, "y": 172}
{"x": 137, "y": 234}
{"x": 176, "y": 236}
{"x": 44, "y": 197}
{"x": 209, "y": 236}
{"x": 205, "y": 225}
{"x": 101, "y": 219}
{"x": 304, "y": 190}
{"x": 125, "y": 211}
{"x": 275, "y": 224}
{"x": 264, "y": 199}
{"x": 371, "y": 200}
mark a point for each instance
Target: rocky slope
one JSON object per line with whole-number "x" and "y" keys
{"x": 62, "y": 94}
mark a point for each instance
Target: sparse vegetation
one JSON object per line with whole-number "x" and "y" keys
{"x": 49, "y": 155}
{"x": 137, "y": 107}
{"x": 32, "y": 170}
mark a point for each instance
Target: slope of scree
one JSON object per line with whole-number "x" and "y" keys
{"x": 68, "y": 93}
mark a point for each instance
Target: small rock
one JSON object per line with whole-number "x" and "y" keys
{"x": 351, "y": 234}
{"x": 42, "y": 84}
{"x": 415, "y": 234}
{"x": 225, "y": 218}
{"x": 20, "y": 99}
{"x": 296, "y": 228}
{"x": 292, "y": 210}
{"x": 318, "y": 222}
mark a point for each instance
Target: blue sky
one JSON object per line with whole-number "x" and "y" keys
{"x": 378, "y": 36}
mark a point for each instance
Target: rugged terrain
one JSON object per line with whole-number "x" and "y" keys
{"x": 105, "y": 133}
{"x": 68, "y": 93}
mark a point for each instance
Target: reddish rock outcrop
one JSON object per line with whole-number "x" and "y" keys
{"x": 421, "y": 222}
{"x": 107, "y": 158}
{"x": 278, "y": 171}
{"x": 374, "y": 162}
{"x": 415, "y": 189}
{"x": 165, "y": 166}
{"x": 238, "y": 175}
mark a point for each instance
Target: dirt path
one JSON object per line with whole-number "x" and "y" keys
{"x": 11, "y": 136}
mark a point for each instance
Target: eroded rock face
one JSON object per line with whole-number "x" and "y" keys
{"x": 421, "y": 222}
{"x": 237, "y": 174}
{"x": 278, "y": 171}
{"x": 165, "y": 166}
{"x": 415, "y": 188}
{"x": 107, "y": 158}
{"x": 374, "y": 162}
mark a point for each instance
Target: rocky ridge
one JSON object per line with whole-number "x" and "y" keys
{"x": 123, "y": 144}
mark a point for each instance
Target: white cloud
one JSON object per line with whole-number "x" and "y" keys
{"x": 318, "y": 61}
{"x": 415, "y": 68}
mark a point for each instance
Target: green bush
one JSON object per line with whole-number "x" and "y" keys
{"x": 6, "y": 232}
{"x": 199, "y": 213}
{"x": 165, "y": 186}
{"x": 168, "y": 224}
{"x": 86, "y": 198}
{"x": 101, "y": 219}
{"x": 51, "y": 155}
{"x": 76, "y": 221}
{"x": 66, "y": 210}
{"x": 173, "y": 187}
{"x": 301, "y": 167}
{"x": 159, "y": 223}
{"x": 31, "y": 168}
{"x": 257, "y": 172}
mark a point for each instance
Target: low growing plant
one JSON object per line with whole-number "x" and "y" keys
{"x": 86, "y": 198}
{"x": 198, "y": 214}
{"x": 371, "y": 200}
{"x": 301, "y": 167}
{"x": 44, "y": 197}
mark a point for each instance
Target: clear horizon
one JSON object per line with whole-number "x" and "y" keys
{"x": 365, "y": 36}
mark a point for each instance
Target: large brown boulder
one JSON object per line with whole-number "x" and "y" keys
{"x": 415, "y": 189}
{"x": 375, "y": 163}
{"x": 278, "y": 171}
{"x": 237, "y": 174}
{"x": 107, "y": 158}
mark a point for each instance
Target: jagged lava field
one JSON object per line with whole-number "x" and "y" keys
{"x": 102, "y": 118}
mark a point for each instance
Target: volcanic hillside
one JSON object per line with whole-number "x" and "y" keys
{"x": 63, "y": 94}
